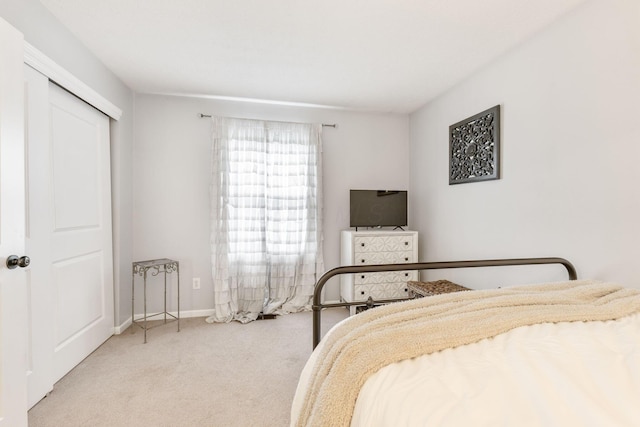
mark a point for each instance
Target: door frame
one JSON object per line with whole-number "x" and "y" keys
{"x": 45, "y": 65}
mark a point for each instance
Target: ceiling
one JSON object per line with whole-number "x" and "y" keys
{"x": 369, "y": 55}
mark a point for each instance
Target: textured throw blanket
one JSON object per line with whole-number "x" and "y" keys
{"x": 365, "y": 343}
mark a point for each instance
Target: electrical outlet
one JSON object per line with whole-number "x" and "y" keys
{"x": 196, "y": 283}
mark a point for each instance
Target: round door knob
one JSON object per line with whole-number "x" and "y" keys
{"x": 13, "y": 261}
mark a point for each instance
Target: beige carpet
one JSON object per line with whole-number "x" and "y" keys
{"x": 204, "y": 375}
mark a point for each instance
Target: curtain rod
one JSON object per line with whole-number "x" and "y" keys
{"x": 334, "y": 125}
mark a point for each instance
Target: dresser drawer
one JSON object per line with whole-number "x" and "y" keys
{"x": 384, "y": 258}
{"x": 385, "y": 277}
{"x": 382, "y": 243}
{"x": 381, "y": 291}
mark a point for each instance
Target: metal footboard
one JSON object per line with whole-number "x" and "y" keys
{"x": 318, "y": 305}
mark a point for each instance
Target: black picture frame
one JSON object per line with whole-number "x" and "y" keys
{"x": 474, "y": 148}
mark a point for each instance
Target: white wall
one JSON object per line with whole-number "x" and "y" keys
{"x": 42, "y": 30}
{"x": 172, "y": 166}
{"x": 570, "y": 101}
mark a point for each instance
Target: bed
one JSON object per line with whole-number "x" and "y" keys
{"x": 562, "y": 353}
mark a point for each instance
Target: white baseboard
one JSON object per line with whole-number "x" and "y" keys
{"x": 183, "y": 315}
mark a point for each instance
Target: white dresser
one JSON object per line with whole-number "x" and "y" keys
{"x": 377, "y": 247}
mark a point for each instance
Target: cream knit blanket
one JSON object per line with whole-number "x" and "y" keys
{"x": 365, "y": 343}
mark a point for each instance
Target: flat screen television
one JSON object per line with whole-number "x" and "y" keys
{"x": 378, "y": 208}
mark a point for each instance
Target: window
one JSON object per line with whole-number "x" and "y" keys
{"x": 266, "y": 204}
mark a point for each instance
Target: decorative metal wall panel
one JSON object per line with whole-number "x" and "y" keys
{"x": 474, "y": 148}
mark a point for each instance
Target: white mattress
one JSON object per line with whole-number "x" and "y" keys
{"x": 566, "y": 374}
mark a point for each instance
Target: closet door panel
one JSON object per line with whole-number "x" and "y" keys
{"x": 80, "y": 285}
{"x": 76, "y": 167}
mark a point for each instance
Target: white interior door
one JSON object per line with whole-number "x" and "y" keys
{"x": 13, "y": 306}
{"x": 80, "y": 238}
{"x": 69, "y": 232}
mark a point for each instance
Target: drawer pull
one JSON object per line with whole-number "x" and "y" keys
{"x": 361, "y": 292}
{"x": 362, "y": 277}
{"x": 361, "y": 260}
{"x": 406, "y": 259}
{"x": 406, "y": 243}
{"x": 362, "y": 244}
{"x": 406, "y": 274}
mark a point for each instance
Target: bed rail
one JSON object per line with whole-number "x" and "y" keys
{"x": 318, "y": 305}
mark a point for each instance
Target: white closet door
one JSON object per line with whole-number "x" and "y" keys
{"x": 69, "y": 223}
{"x": 81, "y": 261}
{"x": 39, "y": 225}
{"x": 13, "y": 312}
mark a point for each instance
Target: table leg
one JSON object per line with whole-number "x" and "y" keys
{"x": 178, "y": 274}
{"x": 133, "y": 278}
{"x": 145, "y": 306}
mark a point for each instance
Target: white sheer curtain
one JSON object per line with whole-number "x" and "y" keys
{"x": 266, "y": 217}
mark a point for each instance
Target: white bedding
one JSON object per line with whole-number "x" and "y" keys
{"x": 564, "y": 374}
{"x": 567, "y": 374}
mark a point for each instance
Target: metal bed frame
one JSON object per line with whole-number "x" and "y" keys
{"x": 318, "y": 305}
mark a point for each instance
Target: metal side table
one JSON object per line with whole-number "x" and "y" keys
{"x": 154, "y": 267}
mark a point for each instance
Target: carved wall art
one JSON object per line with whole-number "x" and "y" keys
{"x": 474, "y": 145}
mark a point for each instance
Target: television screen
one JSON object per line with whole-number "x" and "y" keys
{"x": 378, "y": 208}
